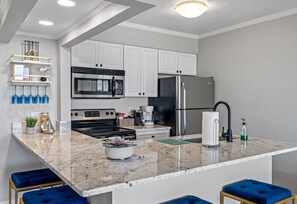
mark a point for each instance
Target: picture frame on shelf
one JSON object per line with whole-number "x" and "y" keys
{"x": 21, "y": 72}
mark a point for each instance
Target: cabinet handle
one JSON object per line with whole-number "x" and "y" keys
{"x": 96, "y": 65}
{"x": 101, "y": 65}
{"x": 153, "y": 136}
{"x": 177, "y": 71}
{"x": 139, "y": 93}
{"x": 143, "y": 93}
{"x": 180, "y": 71}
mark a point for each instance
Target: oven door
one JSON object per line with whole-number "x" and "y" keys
{"x": 97, "y": 86}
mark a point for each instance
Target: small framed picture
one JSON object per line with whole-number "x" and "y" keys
{"x": 21, "y": 72}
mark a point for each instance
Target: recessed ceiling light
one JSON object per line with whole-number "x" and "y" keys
{"x": 191, "y": 8}
{"x": 67, "y": 3}
{"x": 46, "y": 23}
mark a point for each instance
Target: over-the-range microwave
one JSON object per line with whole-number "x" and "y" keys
{"x": 97, "y": 83}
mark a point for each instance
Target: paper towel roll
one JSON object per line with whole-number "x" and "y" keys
{"x": 210, "y": 128}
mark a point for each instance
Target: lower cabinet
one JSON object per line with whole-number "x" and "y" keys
{"x": 141, "y": 72}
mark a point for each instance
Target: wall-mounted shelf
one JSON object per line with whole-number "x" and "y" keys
{"x": 29, "y": 83}
{"x": 32, "y": 60}
{"x": 30, "y": 70}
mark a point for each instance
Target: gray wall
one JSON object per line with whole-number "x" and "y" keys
{"x": 131, "y": 36}
{"x": 255, "y": 69}
{"x": 13, "y": 156}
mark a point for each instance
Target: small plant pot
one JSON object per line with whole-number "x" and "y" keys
{"x": 30, "y": 130}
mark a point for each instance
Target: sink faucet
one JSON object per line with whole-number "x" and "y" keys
{"x": 228, "y": 134}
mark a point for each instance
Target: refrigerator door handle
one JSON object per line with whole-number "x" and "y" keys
{"x": 184, "y": 108}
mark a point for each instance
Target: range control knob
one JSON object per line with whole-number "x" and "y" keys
{"x": 71, "y": 114}
{"x": 76, "y": 114}
{"x": 111, "y": 113}
{"x": 107, "y": 113}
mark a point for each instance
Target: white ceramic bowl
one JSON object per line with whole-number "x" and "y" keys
{"x": 119, "y": 152}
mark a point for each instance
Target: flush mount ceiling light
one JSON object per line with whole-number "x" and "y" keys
{"x": 191, "y": 9}
{"x": 46, "y": 23}
{"x": 67, "y": 3}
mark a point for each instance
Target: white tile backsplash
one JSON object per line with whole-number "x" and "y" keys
{"x": 121, "y": 105}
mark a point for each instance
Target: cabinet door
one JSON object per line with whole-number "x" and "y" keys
{"x": 85, "y": 54}
{"x": 150, "y": 72}
{"x": 168, "y": 62}
{"x": 133, "y": 71}
{"x": 110, "y": 56}
{"x": 187, "y": 64}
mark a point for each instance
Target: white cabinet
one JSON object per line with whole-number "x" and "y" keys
{"x": 110, "y": 56}
{"x": 133, "y": 71}
{"x": 85, "y": 54}
{"x": 141, "y": 71}
{"x": 177, "y": 63}
{"x": 150, "y": 72}
{"x": 98, "y": 54}
{"x": 187, "y": 64}
{"x": 168, "y": 62}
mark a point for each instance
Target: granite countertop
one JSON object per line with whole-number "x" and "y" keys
{"x": 142, "y": 128}
{"x": 81, "y": 162}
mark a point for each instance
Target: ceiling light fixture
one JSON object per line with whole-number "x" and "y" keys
{"x": 67, "y": 3}
{"x": 46, "y": 23}
{"x": 191, "y": 9}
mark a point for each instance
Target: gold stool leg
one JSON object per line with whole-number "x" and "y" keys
{"x": 16, "y": 196}
{"x": 221, "y": 198}
{"x": 293, "y": 200}
{"x": 9, "y": 192}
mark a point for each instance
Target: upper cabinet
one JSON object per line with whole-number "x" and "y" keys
{"x": 177, "y": 63}
{"x": 85, "y": 54}
{"x": 98, "y": 54}
{"x": 111, "y": 56}
{"x": 141, "y": 71}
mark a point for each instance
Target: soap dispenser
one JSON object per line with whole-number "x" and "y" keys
{"x": 243, "y": 135}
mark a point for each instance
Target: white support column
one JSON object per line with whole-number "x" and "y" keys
{"x": 64, "y": 88}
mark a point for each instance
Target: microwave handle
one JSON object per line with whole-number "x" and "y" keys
{"x": 113, "y": 86}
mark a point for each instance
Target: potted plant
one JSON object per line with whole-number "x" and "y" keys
{"x": 30, "y": 123}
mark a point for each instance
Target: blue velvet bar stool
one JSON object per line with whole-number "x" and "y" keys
{"x": 188, "y": 199}
{"x": 56, "y": 195}
{"x": 34, "y": 179}
{"x": 255, "y": 192}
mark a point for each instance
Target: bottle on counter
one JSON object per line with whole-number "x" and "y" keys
{"x": 243, "y": 134}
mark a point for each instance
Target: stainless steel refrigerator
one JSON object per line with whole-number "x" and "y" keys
{"x": 181, "y": 101}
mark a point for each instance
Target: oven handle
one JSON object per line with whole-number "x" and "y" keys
{"x": 113, "y": 86}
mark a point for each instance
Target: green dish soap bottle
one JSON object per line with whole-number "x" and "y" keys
{"x": 243, "y": 135}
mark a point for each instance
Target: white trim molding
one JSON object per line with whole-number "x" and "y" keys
{"x": 158, "y": 30}
{"x": 36, "y": 35}
{"x": 250, "y": 23}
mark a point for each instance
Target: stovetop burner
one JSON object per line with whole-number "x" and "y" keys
{"x": 99, "y": 123}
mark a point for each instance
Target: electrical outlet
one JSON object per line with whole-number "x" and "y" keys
{"x": 35, "y": 114}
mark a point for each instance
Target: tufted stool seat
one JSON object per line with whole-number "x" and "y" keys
{"x": 34, "y": 179}
{"x": 252, "y": 191}
{"x": 56, "y": 195}
{"x": 189, "y": 199}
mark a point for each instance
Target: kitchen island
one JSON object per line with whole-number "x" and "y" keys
{"x": 157, "y": 171}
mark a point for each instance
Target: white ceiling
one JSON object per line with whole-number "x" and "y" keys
{"x": 221, "y": 13}
{"x": 62, "y": 17}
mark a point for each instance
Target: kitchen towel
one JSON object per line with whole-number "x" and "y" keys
{"x": 210, "y": 128}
